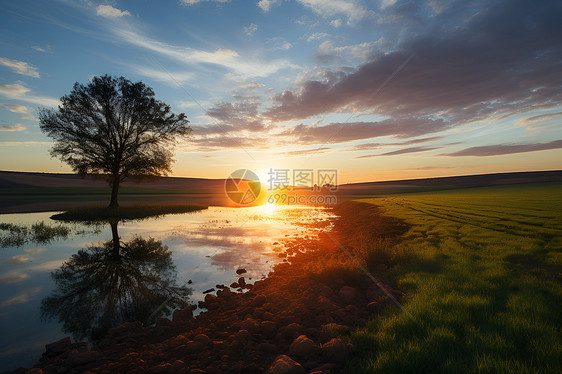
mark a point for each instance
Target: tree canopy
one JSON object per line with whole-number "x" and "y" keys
{"x": 114, "y": 126}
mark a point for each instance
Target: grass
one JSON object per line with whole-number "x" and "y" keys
{"x": 481, "y": 272}
{"x": 17, "y": 235}
{"x": 96, "y": 214}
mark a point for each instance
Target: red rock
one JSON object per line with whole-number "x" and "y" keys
{"x": 75, "y": 359}
{"x": 285, "y": 365}
{"x": 303, "y": 347}
{"x": 182, "y": 315}
{"x": 163, "y": 368}
{"x": 203, "y": 339}
{"x": 58, "y": 347}
{"x": 291, "y": 331}
{"x": 34, "y": 371}
{"x": 268, "y": 328}
{"x": 336, "y": 350}
{"x": 242, "y": 282}
{"x": 348, "y": 294}
{"x": 243, "y": 336}
{"x": 251, "y": 325}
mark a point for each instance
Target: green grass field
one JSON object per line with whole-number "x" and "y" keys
{"x": 481, "y": 272}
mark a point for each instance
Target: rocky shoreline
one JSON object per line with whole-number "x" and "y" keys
{"x": 294, "y": 321}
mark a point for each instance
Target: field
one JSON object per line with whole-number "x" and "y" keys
{"x": 481, "y": 271}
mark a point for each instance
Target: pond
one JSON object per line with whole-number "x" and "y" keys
{"x": 81, "y": 284}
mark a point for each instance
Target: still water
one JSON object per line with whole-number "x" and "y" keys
{"x": 83, "y": 284}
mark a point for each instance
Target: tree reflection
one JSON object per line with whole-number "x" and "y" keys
{"x": 103, "y": 286}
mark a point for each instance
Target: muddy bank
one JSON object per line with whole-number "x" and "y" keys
{"x": 294, "y": 321}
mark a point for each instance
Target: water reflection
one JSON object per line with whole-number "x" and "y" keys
{"x": 103, "y": 286}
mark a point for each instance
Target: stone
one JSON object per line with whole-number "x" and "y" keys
{"x": 75, "y": 359}
{"x": 163, "y": 368}
{"x": 251, "y": 325}
{"x": 58, "y": 347}
{"x": 291, "y": 331}
{"x": 162, "y": 321}
{"x": 203, "y": 339}
{"x": 182, "y": 315}
{"x": 243, "y": 337}
{"x": 303, "y": 347}
{"x": 285, "y": 365}
{"x": 336, "y": 350}
{"x": 242, "y": 282}
{"x": 348, "y": 294}
{"x": 34, "y": 371}
{"x": 240, "y": 271}
{"x": 268, "y": 328}
{"x": 381, "y": 267}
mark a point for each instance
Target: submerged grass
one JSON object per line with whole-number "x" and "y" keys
{"x": 481, "y": 272}
{"x": 97, "y": 214}
{"x": 12, "y": 235}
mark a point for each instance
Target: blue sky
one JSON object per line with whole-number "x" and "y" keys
{"x": 377, "y": 89}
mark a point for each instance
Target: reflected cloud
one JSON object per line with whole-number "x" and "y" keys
{"x": 22, "y": 297}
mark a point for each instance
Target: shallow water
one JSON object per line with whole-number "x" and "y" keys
{"x": 204, "y": 249}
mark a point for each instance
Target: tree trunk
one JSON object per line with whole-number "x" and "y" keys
{"x": 115, "y": 236}
{"x": 114, "y": 191}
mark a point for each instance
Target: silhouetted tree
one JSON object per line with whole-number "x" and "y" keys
{"x": 115, "y": 126}
{"x": 103, "y": 286}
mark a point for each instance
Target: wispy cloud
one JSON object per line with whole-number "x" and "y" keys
{"x": 110, "y": 12}
{"x": 250, "y": 29}
{"x": 354, "y": 10}
{"x": 402, "y": 151}
{"x": 23, "y": 143}
{"x": 17, "y": 91}
{"x": 193, "y": 2}
{"x": 305, "y": 152}
{"x": 4, "y": 126}
{"x": 20, "y": 67}
{"x": 504, "y": 149}
{"x": 22, "y": 297}
{"x": 226, "y": 58}
{"x": 266, "y": 5}
{"x": 15, "y": 108}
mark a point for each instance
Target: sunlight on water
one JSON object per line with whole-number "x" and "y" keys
{"x": 206, "y": 248}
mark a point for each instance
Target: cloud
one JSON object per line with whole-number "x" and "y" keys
{"x": 336, "y": 23}
{"x": 370, "y": 146}
{"x": 352, "y": 9}
{"x": 18, "y": 91}
{"x": 110, "y": 12}
{"x": 402, "y": 151}
{"x": 5, "y": 127}
{"x": 489, "y": 67}
{"x": 24, "y": 143}
{"x": 41, "y": 49}
{"x": 193, "y": 2}
{"x": 226, "y": 58}
{"x": 13, "y": 278}
{"x": 387, "y": 3}
{"x": 22, "y": 297}
{"x": 316, "y": 36}
{"x": 19, "y": 259}
{"x": 15, "y": 108}
{"x": 504, "y": 149}
{"x": 265, "y": 5}
{"x": 305, "y": 152}
{"x": 345, "y": 132}
{"x": 251, "y": 29}
{"x": 328, "y": 51}
{"x": 20, "y": 67}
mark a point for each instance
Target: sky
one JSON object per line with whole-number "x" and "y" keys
{"x": 377, "y": 90}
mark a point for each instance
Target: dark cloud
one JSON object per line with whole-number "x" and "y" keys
{"x": 402, "y": 151}
{"x": 371, "y": 146}
{"x": 506, "y": 59}
{"x": 504, "y": 149}
{"x": 345, "y": 132}
{"x": 305, "y": 152}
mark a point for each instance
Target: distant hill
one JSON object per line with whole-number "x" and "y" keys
{"x": 33, "y": 192}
